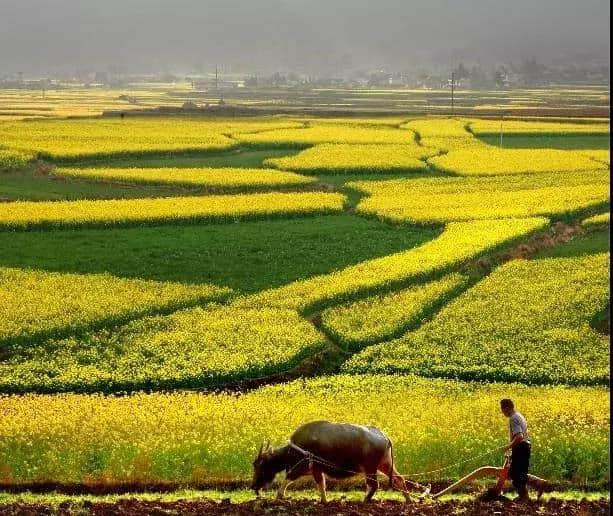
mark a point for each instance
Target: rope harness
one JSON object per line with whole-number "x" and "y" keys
{"x": 315, "y": 459}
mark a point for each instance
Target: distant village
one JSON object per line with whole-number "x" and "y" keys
{"x": 529, "y": 73}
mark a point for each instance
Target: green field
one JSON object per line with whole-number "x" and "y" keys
{"x": 402, "y": 272}
{"x": 246, "y": 257}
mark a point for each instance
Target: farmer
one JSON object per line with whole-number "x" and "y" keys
{"x": 519, "y": 446}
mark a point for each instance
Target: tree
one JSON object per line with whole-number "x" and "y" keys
{"x": 501, "y": 76}
{"x": 478, "y": 78}
{"x": 532, "y": 71}
{"x": 461, "y": 72}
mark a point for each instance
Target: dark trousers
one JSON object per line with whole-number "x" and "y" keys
{"x": 520, "y": 462}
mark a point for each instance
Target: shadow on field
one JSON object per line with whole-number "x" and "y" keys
{"x": 245, "y": 256}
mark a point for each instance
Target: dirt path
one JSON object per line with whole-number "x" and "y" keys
{"x": 271, "y": 508}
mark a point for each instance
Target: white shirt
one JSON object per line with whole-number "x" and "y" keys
{"x": 517, "y": 424}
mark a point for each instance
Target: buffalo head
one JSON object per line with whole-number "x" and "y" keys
{"x": 263, "y": 471}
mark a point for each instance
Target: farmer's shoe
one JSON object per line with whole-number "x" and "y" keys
{"x": 523, "y": 495}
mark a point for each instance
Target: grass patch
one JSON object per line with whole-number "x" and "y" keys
{"x": 54, "y": 499}
{"x": 247, "y": 256}
{"x": 29, "y": 185}
{"x": 589, "y": 243}
{"x": 239, "y": 158}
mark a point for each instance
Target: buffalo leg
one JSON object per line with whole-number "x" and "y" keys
{"x": 396, "y": 480}
{"x": 282, "y": 488}
{"x": 372, "y": 484}
{"x": 320, "y": 478}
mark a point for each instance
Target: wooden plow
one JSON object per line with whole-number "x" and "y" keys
{"x": 502, "y": 475}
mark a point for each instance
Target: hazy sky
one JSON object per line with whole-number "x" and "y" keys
{"x": 317, "y": 36}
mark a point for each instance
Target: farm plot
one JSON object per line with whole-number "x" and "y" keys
{"x": 196, "y": 254}
{"x": 217, "y": 305}
{"x": 204, "y": 348}
{"x": 220, "y": 178}
{"x": 438, "y": 200}
{"x": 193, "y": 437}
{"x": 326, "y": 133}
{"x": 528, "y": 321}
{"x": 459, "y": 242}
{"x": 521, "y": 127}
{"x": 365, "y": 122}
{"x": 568, "y": 141}
{"x": 356, "y": 158}
{"x": 444, "y": 134}
{"x": 190, "y": 348}
{"x": 380, "y": 318}
{"x": 491, "y": 161}
{"x": 29, "y": 215}
{"x": 439, "y": 128}
{"x": 36, "y": 303}
{"x": 73, "y": 140}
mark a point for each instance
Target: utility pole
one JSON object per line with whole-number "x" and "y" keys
{"x": 216, "y": 79}
{"x": 452, "y": 87}
{"x": 501, "y": 117}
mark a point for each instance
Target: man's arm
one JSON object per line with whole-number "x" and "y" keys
{"x": 517, "y": 438}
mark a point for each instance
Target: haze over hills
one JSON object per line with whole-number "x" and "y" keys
{"x": 318, "y": 37}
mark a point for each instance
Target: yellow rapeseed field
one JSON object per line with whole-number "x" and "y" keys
{"x": 460, "y": 241}
{"x": 211, "y": 347}
{"x": 597, "y": 220}
{"x": 489, "y": 161}
{"x": 348, "y": 158}
{"x": 439, "y": 200}
{"x": 197, "y": 347}
{"x": 196, "y": 177}
{"x": 24, "y": 215}
{"x": 439, "y": 127}
{"x": 11, "y": 159}
{"x": 437, "y": 341}
{"x": 74, "y": 139}
{"x": 34, "y": 302}
{"x": 195, "y": 437}
{"x": 445, "y": 134}
{"x": 384, "y": 317}
{"x": 528, "y": 321}
{"x": 326, "y": 133}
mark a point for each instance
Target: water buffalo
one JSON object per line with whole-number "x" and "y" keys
{"x": 339, "y": 450}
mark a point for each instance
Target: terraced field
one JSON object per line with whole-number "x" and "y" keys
{"x": 406, "y": 273}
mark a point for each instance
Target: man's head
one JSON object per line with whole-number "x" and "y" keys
{"x": 507, "y": 406}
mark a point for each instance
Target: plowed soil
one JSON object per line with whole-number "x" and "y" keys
{"x": 274, "y": 508}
